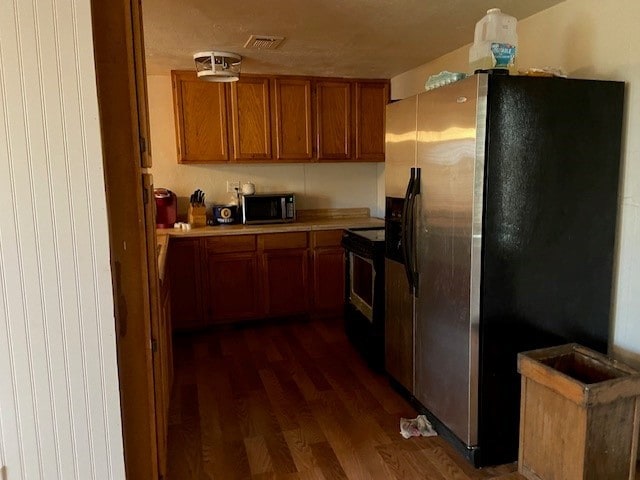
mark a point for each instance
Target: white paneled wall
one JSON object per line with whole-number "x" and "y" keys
{"x": 59, "y": 400}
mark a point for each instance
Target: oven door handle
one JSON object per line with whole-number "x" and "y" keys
{"x": 404, "y": 237}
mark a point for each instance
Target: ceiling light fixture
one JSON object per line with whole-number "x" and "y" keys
{"x": 218, "y": 66}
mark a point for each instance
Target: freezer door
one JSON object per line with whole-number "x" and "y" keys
{"x": 400, "y": 146}
{"x": 448, "y": 235}
{"x": 398, "y": 325}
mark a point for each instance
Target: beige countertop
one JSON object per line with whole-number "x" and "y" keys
{"x": 299, "y": 226}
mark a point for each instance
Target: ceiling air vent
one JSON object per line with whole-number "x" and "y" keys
{"x": 263, "y": 42}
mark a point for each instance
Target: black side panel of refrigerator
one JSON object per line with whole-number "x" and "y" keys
{"x": 551, "y": 198}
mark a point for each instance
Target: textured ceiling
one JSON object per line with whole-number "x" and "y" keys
{"x": 346, "y": 38}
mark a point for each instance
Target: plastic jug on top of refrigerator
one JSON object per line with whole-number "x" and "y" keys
{"x": 495, "y": 42}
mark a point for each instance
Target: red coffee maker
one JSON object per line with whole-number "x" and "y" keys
{"x": 166, "y": 207}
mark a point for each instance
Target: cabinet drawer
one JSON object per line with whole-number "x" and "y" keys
{"x": 232, "y": 243}
{"x": 280, "y": 241}
{"x": 326, "y": 238}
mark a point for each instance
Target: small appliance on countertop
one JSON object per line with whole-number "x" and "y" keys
{"x": 225, "y": 214}
{"x": 268, "y": 208}
{"x": 166, "y": 207}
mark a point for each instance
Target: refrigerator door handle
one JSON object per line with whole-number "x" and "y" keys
{"x": 415, "y": 191}
{"x": 404, "y": 237}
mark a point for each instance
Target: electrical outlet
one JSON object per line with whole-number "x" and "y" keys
{"x": 232, "y": 187}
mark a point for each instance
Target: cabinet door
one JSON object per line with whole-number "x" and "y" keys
{"x": 200, "y": 109}
{"x": 251, "y": 114}
{"x": 292, "y": 107}
{"x": 371, "y": 99}
{"x": 333, "y": 120}
{"x": 186, "y": 296}
{"x": 285, "y": 277}
{"x": 327, "y": 285}
{"x": 328, "y": 280}
{"x": 233, "y": 287}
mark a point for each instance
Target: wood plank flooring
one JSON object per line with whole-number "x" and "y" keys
{"x": 294, "y": 401}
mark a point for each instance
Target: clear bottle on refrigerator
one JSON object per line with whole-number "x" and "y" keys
{"x": 495, "y": 42}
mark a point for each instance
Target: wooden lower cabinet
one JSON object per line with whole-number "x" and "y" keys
{"x": 328, "y": 272}
{"x": 285, "y": 274}
{"x": 184, "y": 263}
{"x": 231, "y": 282}
{"x": 232, "y": 292}
{"x": 249, "y": 277}
{"x": 285, "y": 265}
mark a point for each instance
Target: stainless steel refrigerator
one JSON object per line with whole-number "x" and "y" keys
{"x": 502, "y": 197}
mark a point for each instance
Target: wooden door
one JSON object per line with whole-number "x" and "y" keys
{"x": 285, "y": 277}
{"x": 371, "y": 100}
{"x": 119, "y": 69}
{"x": 233, "y": 287}
{"x": 186, "y": 294}
{"x": 200, "y": 110}
{"x": 333, "y": 120}
{"x": 140, "y": 70}
{"x": 292, "y": 119}
{"x": 251, "y": 115}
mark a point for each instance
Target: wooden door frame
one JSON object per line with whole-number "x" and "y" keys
{"x": 114, "y": 31}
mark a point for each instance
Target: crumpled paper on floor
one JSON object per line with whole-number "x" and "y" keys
{"x": 416, "y": 427}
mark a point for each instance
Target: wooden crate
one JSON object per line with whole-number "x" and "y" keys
{"x": 579, "y": 415}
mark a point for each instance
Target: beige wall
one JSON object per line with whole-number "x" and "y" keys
{"x": 337, "y": 185}
{"x": 596, "y": 39}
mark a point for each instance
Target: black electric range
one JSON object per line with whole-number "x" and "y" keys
{"x": 364, "y": 292}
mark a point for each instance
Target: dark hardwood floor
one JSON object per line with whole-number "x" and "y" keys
{"x": 294, "y": 401}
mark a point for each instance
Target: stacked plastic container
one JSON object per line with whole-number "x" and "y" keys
{"x": 495, "y": 42}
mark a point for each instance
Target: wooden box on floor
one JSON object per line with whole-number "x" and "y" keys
{"x": 578, "y": 415}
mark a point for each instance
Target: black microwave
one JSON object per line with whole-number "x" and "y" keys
{"x": 268, "y": 208}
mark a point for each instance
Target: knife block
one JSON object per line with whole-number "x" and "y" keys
{"x": 197, "y": 216}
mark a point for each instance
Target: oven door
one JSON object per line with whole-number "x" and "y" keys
{"x": 362, "y": 280}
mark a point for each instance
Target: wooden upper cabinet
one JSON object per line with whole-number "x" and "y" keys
{"x": 333, "y": 120}
{"x": 292, "y": 119}
{"x": 201, "y": 119}
{"x": 251, "y": 115}
{"x": 371, "y": 99}
{"x": 263, "y": 118}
